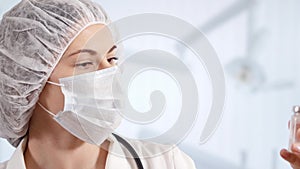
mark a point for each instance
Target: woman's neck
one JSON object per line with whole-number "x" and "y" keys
{"x": 49, "y": 146}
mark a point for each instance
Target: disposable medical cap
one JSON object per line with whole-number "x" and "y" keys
{"x": 33, "y": 37}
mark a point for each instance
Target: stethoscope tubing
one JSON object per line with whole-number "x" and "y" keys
{"x": 131, "y": 150}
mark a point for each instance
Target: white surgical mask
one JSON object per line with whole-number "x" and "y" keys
{"x": 91, "y": 105}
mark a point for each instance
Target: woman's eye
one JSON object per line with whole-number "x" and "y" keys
{"x": 112, "y": 59}
{"x": 85, "y": 65}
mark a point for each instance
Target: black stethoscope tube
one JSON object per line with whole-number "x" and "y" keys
{"x": 131, "y": 150}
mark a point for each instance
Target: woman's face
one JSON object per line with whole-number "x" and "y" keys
{"x": 92, "y": 50}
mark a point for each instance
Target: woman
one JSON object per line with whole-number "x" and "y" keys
{"x": 45, "y": 47}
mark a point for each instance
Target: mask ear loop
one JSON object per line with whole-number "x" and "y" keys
{"x": 56, "y": 84}
{"x": 44, "y": 108}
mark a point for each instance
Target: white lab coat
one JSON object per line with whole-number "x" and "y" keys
{"x": 165, "y": 156}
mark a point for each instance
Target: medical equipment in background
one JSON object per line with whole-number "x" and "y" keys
{"x": 223, "y": 17}
{"x": 234, "y": 10}
{"x": 212, "y": 24}
{"x": 246, "y": 71}
{"x": 294, "y": 126}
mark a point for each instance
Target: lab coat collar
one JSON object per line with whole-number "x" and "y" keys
{"x": 17, "y": 160}
{"x": 116, "y": 157}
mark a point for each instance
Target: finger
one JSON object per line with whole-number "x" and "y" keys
{"x": 292, "y": 158}
{"x": 285, "y": 154}
{"x": 289, "y": 124}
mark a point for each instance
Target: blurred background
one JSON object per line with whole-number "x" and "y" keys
{"x": 257, "y": 44}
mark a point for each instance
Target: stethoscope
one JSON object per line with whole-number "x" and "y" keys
{"x": 131, "y": 150}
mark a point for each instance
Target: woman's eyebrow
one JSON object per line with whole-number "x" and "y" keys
{"x": 111, "y": 49}
{"x": 92, "y": 52}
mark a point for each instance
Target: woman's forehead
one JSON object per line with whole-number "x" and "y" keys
{"x": 96, "y": 37}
